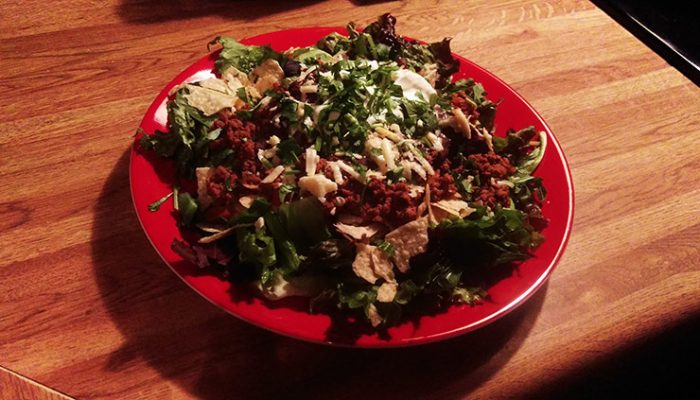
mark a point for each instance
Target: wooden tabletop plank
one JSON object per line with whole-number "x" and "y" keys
{"x": 16, "y": 386}
{"x": 88, "y": 308}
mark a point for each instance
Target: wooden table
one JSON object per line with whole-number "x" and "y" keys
{"x": 87, "y": 307}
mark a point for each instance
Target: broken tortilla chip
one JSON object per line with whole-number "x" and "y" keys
{"x": 450, "y": 209}
{"x": 373, "y": 315}
{"x": 408, "y": 240}
{"x": 203, "y": 174}
{"x": 381, "y": 265}
{"x": 387, "y": 292}
{"x": 353, "y": 232}
{"x": 362, "y": 266}
{"x": 266, "y": 75}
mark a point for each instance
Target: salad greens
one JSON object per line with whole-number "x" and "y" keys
{"x": 355, "y": 172}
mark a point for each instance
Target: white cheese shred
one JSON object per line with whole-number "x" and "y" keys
{"x": 273, "y": 174}
{"x": 312, "y": 160}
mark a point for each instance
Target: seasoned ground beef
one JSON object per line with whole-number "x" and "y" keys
{"x": 390, "y": 205}
{"x": 490, "y": 195}
{"x": 237, "y": 135}
{"x": 491, "y": 165}
{"x": 442, "y": 187}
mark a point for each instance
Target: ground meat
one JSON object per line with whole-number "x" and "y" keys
{"x": 270, "y": 191}
{"x": 378, "y": 202}
{"x": 442, "y": 187}
{"x": 251, "y": 166}
{"x": 490, "y": 195}
{"x": 250, "y": 181}
{"x": 221, "y": 184}
{"x": 222, "y": 187}
{"x": 491, "y": 165}
{"x": 322, "y": 168}
{"x": 237, "y": 135}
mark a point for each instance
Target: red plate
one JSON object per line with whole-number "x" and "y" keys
{"x": 151, "y": 179}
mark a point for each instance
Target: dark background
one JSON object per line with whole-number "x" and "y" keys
{"x": 666, "y": 367}
{"x": 669, "y": 27}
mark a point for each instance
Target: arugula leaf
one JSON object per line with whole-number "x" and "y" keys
{"x": 500, "y": 238}
{"x": 387, "y": 248}
{"x": 285, "y": 190}
{"x": 334, "y": 43}
{"x": 187, "y": 206}
{"x": 187, "y": 139}
{"x": 243, "y": 58}
{"x": 163, "y": 144}
{"x": 259, "y": 208}
{"x": 288, "y": 259}
{"x": 311, "y": 55}
{"x": 356, "y": 299}
{"x": 255, "y": 246}
{"x": 529, "y": 163}
{"x": 288, "y": 151}
{"x": 516, "y": 145}
{"x": 305, "y": 222}
{"x": 447, "y": 64}
{"x": 469, "y": 295}
{"x": 363, "y": 46}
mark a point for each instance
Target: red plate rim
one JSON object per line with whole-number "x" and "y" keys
{"x": 146, "y": 187}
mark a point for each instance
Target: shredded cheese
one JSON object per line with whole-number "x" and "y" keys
{"x": 337, "y": 175}
{"x": 388, "y": 154}
{"x": 273, "y": 174}
{"x": 383, "y": 132}
{"x": 462, "y": 123}
{"x": 312, "y": 160}
{"x": 318, "y": 185}
{"x": 349, "y": 170}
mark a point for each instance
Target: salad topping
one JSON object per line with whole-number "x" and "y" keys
{"x": 354, "y": 172}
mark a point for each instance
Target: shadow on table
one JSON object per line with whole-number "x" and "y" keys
{"x": 150, "y": 11}
{"x": 212, "y": 355}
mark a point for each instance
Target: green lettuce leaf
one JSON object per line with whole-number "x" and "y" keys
{"x": 287, "y": 257}
{"x": 334, "y": 43}
{"x": 529, "y": 163}
{"x": 189, "y": 132}
{"x": 310, "y": 55}
{"x": 257, "y": 209}
{"x": 255, "y": 246}
{"x": 187, "y": 207}
{"x": 305, "y": 222}
{"x": 500, "y": 238}
{"x": 243, "y": 58}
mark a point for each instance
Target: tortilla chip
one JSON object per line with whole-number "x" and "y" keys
{"x": 373, "y": 315}
{"x": 358, "y": 232}
{"x": 349, "y": 219}
{"x": 362, "y": 266}
{"x": 387, "y": 292}
{"x": 450, "y": 209}
{"x": 203, "y": 174}
{"x": 266, "y": 75}
{"x": 408, "y": 240}
{"x": 461, "y": 122}
{"x": 381, "y": 264}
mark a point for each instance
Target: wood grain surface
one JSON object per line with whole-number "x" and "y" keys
{"x": 18, "y": 387}
{"x": 89, "y": 309}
